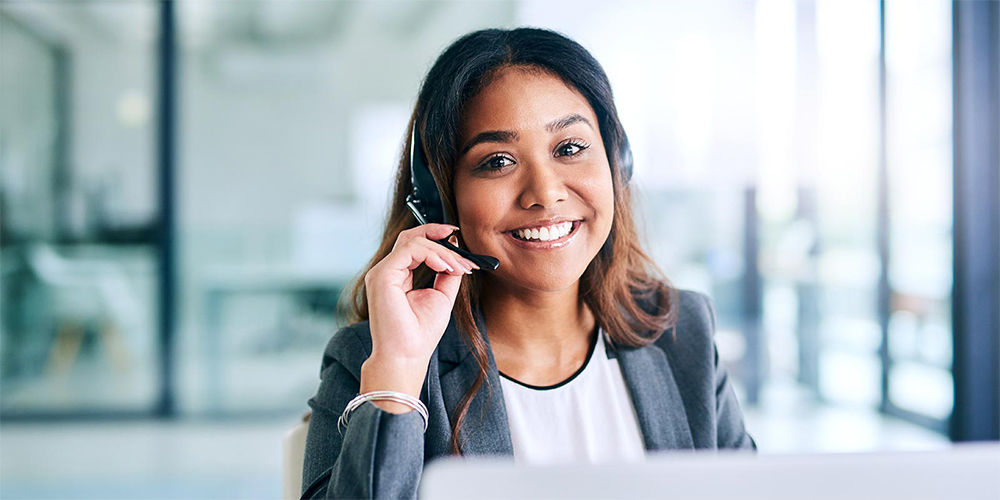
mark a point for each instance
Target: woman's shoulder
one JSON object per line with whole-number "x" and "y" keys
{"x": 694, "y": 331}
{"x": 696, "y": 311}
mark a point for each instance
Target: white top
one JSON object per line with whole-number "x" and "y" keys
{"x": 586, "y": 418}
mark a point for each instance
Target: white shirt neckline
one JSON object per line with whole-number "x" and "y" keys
{"x": 586, "y": 362}
{"x": 588, "y": 417}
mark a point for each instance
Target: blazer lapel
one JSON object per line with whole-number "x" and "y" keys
{"x": 655, "y": 396}
{"x": 485, "y": 430}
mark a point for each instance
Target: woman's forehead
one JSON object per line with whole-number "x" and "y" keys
{"x": 523, "y": 100}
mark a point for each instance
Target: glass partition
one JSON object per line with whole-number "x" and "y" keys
{"x": 78, "y": 244}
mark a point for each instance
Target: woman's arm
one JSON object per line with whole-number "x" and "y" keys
{"x": 731, "y": 431}
{"x": 380, "y": 454}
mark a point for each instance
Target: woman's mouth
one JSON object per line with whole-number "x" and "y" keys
{"x": 546, "y": 238}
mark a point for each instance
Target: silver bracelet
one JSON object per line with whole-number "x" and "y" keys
{"x": 394, "y": 396}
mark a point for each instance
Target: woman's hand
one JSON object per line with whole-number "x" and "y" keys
{"x": 407, "y": 324}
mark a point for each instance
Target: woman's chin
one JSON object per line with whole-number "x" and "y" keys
{"x": 550, "y": 280}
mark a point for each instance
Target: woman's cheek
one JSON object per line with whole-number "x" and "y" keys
{"x": 477, "y": 224}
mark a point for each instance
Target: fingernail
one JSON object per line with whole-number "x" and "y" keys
{"x": 450, "y": 270}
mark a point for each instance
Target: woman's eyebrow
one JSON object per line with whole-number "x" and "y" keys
{"x": 511, "y": 136}
{"x": 557, "y": 125}
{"x": 491, "y": 136}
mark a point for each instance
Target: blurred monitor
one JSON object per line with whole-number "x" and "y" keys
{"x": 961, "y": 472}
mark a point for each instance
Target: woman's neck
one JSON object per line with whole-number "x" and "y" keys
{"x": 537, "y": 327}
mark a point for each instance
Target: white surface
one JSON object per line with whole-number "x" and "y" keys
{"x": 963, "y": 472}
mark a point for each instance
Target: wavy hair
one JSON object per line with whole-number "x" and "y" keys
{"x": 628, "y": 294}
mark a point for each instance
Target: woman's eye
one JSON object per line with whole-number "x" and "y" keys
{"x": 570, "y": 149}
{"x": 496, "y": 163}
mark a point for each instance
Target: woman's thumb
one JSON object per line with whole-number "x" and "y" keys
{"x": 448, "y": 284}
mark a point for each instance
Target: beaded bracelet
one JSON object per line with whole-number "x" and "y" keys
{"x": 394, "y": 396}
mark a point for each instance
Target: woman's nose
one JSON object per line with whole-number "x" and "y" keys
{"x": 543, "y": 185}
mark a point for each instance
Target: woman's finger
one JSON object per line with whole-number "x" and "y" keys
{"x": 403, "y": 260}
{"x": 468, "y": 263}
{"x": 427, "y": 231}
{"x": 450, "y": 256}
{"x": 435, "y": 262}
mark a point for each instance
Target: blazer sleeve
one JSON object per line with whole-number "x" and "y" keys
{"x": 379, "y": 455}
{"x": 731, "y": 431}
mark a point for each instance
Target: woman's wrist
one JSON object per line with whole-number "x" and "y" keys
{"x": 404, "y": 376}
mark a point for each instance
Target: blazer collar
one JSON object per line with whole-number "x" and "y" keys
{"x": 646, "y": 371}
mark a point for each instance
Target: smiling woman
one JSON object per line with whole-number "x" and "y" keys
{"x": 520, "y": 131}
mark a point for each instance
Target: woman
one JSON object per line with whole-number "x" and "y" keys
{"x": 589, "y": 356}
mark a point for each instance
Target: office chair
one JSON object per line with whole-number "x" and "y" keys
{"x": 293, "y": 456}
{"x": 82, "y": 290}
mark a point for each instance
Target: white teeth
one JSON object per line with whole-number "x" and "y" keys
{"x": 547, "y": 233}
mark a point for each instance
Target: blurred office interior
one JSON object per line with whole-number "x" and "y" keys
{"x": 186, "y": 188}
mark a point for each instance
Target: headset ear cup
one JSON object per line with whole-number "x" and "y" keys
{"x": 426, "y": 194}
{"x": 625, "y": 160}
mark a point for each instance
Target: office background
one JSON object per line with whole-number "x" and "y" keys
{"x": 186, "y": 187}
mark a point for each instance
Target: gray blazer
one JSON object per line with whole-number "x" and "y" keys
{"x": 680, "y": 391}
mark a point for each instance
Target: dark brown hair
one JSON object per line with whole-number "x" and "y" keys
{"x": 630, "y": 297}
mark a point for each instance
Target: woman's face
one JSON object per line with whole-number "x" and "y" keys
{"x": 531, "y": 156}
